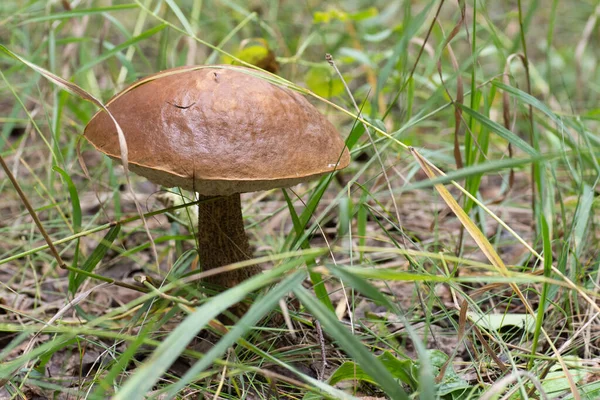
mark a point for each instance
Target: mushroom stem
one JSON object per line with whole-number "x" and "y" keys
{"x": 223, "y": 241}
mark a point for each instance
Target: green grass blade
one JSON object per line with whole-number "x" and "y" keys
{"x": 363, "y": 357}
{"x": 426, "y": 378}
{"x": 325, "y": 390}
{"x": 107, "y": 382}
{"x": 78, "y": 13}
{"x": 181, "y": 17}
{"x": 582, "y": 220}
{"x": 173, "y": 345}
{"x": 547, "y": 243}
{"x": 76, "y": 210}
{"x": 532, "y": 101}
{"x": 8, "y": 368}
{"x": 76, "y": 279}
{"x": 117, "y": 49}
{"x": 315, "y": 278}
{"x": 258, "y": 310}
{"x": 75, "y": 204}
{"x": 413, "y": 25}
{"x": 500, "y": 131}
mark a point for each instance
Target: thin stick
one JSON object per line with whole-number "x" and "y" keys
{"x": 147, "y": 282}
{"x": 323, "y": 353}
{"x": 48, "y": 240}
{"x": 33, "y": 214}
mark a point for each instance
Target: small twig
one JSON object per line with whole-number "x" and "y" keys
{"x": 489, "y": 350}
{"x": 106, "y": 280}
{"x": 323, "y": 353}
{"x": 147, "y": 282}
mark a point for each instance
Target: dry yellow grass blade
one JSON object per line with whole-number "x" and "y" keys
{"x": 486, "y": 247}
{"x": 568, "y": 282}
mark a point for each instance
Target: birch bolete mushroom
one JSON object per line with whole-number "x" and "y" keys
{"x": 219, "y": 131}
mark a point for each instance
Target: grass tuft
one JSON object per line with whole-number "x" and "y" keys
{"x": 456, "y": 258}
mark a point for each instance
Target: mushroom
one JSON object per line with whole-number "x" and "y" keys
{"x": 219, "y": 131}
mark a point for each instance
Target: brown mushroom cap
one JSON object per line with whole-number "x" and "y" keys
{"x": 218, "y": 130}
